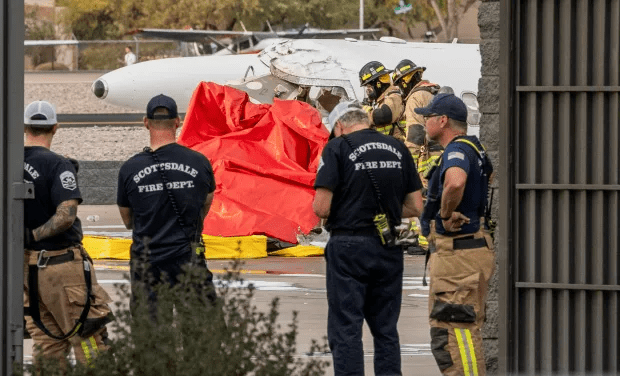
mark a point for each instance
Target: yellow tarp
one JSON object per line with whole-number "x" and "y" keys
{"x": 299, "y": 251}
{"x": 246, "y": 247}
{"x": 100, "y": 247}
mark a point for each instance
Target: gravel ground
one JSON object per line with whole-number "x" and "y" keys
{"x": 98, "y": 143}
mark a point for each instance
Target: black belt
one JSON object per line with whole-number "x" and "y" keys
{"x": 33, "y": 293}
{"x": 460, "y": 243}
{"x": 358, "y": 232}
{"x": 469, "y": 243}
{"x": 55, "y": 260}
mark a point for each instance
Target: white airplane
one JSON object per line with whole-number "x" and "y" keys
{"x": 320, "y": 72}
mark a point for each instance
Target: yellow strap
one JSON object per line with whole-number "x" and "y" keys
{"x": 472, "y": 350}
{"x": 459, "y": 339}
{"x": 471, "y": 144}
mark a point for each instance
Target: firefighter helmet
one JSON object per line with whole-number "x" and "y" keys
{"x": 372, "y": 71}
{"x": 405, "y": 71}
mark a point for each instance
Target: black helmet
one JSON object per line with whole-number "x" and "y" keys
{"x": 373, "y": 71}
{"x": 404, "y": 68}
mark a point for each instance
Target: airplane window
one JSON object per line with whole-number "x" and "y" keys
{"x": 473, "y": 109}
{"x": 326, "y": 97}
{"x": 341, "y": 92}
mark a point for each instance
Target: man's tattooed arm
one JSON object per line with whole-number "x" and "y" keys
{"x": 60, "y": 222}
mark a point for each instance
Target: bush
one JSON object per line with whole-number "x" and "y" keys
{"x": 104, "y": 56}
{"x": 230, "y": 337}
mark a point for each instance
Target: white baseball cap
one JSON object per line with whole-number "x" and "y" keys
{"x": 40, "y": 114}
{"x": 341, "y": 109}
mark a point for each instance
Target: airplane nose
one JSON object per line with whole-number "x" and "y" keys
{"x": 100, "y": 89}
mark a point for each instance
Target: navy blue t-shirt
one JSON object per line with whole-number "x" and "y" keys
{"x": 141, "y": 188}
{"x": 55, "y": 181}
{"x": 462, "y": 155}
{"x": 343, "y": 172}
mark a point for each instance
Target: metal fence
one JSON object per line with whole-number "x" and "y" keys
{"x": 100, "y": 54}
{"x": 561, "y": 127}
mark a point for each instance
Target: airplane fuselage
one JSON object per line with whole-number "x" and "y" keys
{"x": 290, "y": 69}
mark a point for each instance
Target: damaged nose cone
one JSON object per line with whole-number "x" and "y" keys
{"x": 100, "y": 89}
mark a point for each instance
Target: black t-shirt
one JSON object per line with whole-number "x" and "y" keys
{"x": 342, "y": 170}
{"x": 55, "y": 181}
{"x": 141, "y": 188}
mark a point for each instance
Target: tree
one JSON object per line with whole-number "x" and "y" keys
{"x": 449, "y": 14}
{"x": 89, "y": 19}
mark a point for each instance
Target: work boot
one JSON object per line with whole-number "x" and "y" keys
{"x": 416, "y": 250}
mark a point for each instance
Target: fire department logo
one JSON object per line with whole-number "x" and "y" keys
{"x": 68, "y": 180}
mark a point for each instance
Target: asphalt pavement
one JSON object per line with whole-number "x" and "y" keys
{"x": 299, "y": 283}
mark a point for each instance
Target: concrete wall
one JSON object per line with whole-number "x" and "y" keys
{"x": 98, "y": 181}
{"x": 488, "y": 97}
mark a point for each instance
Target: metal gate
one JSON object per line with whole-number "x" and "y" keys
{"x": 560, "y": 157}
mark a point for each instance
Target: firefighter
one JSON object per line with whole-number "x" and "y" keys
{"x": 68, "y": 308}
{"x": 416, "y": 93}
{"x": 165, "y": 207}
{"x": 385, "y": 104}
{"x": 463, "y": 259}
{"x": 364, "y": 268}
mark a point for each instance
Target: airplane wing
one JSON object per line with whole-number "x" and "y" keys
{"x": 50, "y": 42}
{"x": 189, "y": 35}
{"x": 327, "y": 34}
{"x": 202, "y": 35}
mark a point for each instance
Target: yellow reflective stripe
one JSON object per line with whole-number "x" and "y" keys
{"x": 93, "y": 343}
{"x": 86, "y": 352}
{"x": 459, "y": 339}
{"x": 472, "y": 350}
{"x": 384, "y": 130}
{"x": 422, "y": 240}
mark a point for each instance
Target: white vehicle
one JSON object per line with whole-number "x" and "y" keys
{"x": 320, "y": 72}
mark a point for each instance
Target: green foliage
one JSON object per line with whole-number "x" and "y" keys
{"x": 94, "y": 25}
{"x": 230, "y": 337}
{"x": 111, "y": 19}
{"x": 100, "y": 57}
{"x": 36, "y": 28}
{"x": 110, "y": 56}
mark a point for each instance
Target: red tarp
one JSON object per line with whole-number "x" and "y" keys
{"x": 264, "y": 158}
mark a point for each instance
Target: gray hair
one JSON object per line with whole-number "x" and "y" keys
{"x": 354, "y": 117}
{"x": 460, "y": 125}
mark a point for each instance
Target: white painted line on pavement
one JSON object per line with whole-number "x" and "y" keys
{"x": 105, "y": 226}
{"x": 418, "y": 295}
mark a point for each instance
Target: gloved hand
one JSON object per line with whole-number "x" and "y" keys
{"x": 28, "y": 237}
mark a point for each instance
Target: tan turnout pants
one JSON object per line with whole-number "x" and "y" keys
{"x": 457, "y": 300}
{"x": 62, "y": 294}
